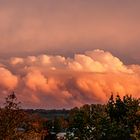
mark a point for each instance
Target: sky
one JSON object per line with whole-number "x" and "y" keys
{"x": 66, "y": 53}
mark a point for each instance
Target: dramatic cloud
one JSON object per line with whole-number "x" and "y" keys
{"x": 98, "y": 61}
{"x": 8, "y": 80}
{"x": 52, "y": 81}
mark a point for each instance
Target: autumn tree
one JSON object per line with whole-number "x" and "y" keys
{"x": 15, "y": 124}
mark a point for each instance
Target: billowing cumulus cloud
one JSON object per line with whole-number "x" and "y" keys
{"x": 98, "y": 61}
{"x": 8, "y": 80}
{"x": 54, "y": 81}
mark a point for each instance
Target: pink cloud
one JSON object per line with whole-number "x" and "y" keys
{"x": 56, "y": 81}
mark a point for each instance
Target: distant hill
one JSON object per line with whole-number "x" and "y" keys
{"x": 49, "y": 114}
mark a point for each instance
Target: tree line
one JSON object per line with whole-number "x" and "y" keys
{"x": 118, "y": 119}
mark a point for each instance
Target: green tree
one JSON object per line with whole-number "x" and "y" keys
{"x": 119, "y": 119}
{"x": 122, "y": 113}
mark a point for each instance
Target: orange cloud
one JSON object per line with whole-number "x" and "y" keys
{"x": 57, "y": 82}
{"x": 8, "y": 80}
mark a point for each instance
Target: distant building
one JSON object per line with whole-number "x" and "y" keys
{"x": 61, "y": 136}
